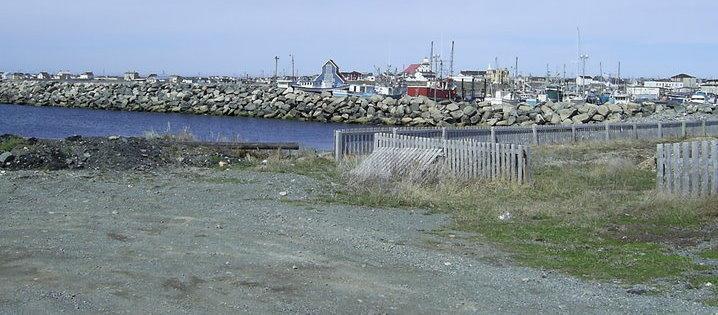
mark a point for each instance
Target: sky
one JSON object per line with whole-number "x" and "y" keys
{"x": 651, "y": 38}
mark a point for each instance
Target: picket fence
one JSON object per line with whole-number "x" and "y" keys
{"x": 462, "y": 159}
{"x": 687, "y": 168}
{"x": 360, "y": 141}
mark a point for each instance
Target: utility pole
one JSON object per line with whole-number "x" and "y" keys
{"x": 451, "y": 61}
{"x": 293, "y": 74}
{"x": 516, "y": 68}
{"x": 276, "y": 64}
{"x": 619, "y": 76}
{"x": 600, "y": 69}
{"x": 431, "y": 57}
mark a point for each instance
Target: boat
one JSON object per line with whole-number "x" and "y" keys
{"x": 699, "y": 98}
{"x": 554, "y": 93}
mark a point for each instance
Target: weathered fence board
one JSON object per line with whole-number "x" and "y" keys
{"x": 463, "y": 159}
{"x": 360, "y": 141}
{"x": 687, "y": 168}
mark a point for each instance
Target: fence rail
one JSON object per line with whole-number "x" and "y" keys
{"x": 360, "y": 141}
{"x": 687, "y": 168}
{"x": 465, "y": 158}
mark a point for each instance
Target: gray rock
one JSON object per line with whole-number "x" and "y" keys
{"x": 6, "y": 157}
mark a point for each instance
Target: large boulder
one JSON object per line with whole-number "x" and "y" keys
{"x": 6, "y": 157}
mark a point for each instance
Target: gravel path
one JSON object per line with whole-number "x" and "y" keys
{"x": 200, "y": 240}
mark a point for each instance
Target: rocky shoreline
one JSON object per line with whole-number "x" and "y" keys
{"x": 279, "y": 103}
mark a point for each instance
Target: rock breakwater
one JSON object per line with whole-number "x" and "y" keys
{"x": 279, "y": 103}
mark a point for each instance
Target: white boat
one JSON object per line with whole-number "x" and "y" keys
{"x": 698, "y": 98}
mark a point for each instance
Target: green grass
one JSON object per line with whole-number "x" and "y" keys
{"x": 10, "y": 143}
{"x": 709, "y": 254}
{"x": 592, "y": 211}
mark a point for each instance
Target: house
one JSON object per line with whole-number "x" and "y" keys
{"x": 87, "y": 75}
{"x": 419, "y": 72}
{"x": 153, "y": 78}
{"x": 710, "y": 87}
{"x": 638, "y": 92}
{"x": 131, "y": 76}
{"x": 687, "y": 80}
{"x": 174, "y": 79}
{"x": 664, "y": 84}
{"x": 63, "y": 75}
{"x": 352, "y": 76}
{"x": 44, "y": 76}
{"x": 497, "y": 76}
{"x": 330, "y": 79}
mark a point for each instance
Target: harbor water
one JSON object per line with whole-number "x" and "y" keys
{"x": 60, "y": 122}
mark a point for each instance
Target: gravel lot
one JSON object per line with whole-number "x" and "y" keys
{"x": 209, "y": 241}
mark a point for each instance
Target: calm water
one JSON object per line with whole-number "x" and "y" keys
{"x": 60, "y": 122}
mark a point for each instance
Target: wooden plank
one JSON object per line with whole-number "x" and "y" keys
{"x": 694, "y": 169}
{"x": 705, "y": 168}
{"x": 660, "y": 168}
{"x": 685, "y": 180}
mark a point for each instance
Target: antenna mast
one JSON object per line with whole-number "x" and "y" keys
{"x": 431, "y": 57}
{"x": 276, "y": 64}
{"x": 451, "y": 61}
{"x": 293, "y": 73}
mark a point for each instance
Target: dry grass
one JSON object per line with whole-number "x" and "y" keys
{"x": 592, "y": 211}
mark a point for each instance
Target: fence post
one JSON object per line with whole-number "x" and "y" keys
{"x": 703, "y": 124}
{"x": 573, "y": 133}
{"x": 683, "y": 129}
{"x": 660, "y": 130}
{"x": 443, "y": 133}
{"x": 394, "y": 131}
{"x": 635, "y": 131}
{"x": 493, "y": 135}
{"x": 337, "y": 145}
{"x": 606, "y": 127}
{"x": 533, "y": 129}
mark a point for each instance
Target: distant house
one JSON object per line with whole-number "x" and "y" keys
{"x": 44, "y": 76}
{"x": 153, "y": 78}
{"x": 330, "y": 79}
{"x": 352, "y": 76}
{"x": 63, "y": 75}
{"x": 584, "y": 80}
{"x": 87, "y": 75}
{"x": 687, "y": 80}
{"x": 17, "y": 76}
{"x": 131, "y": 76}
{"x": 664, "y": 84}
{"x": 419, "y": 72}
{"x": 174, "y": 79}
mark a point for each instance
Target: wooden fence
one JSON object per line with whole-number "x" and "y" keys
{"x": 687, "y": 168}
{"x": 463, "y": 159}
{"x": 361, "y": 141}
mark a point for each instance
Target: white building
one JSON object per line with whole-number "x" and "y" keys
{"x": 710, "y": 87}
{"x": 585, "y": 80}
{"x": 63, "y": 75}
{"x": 131, "y": 76}
{"x": 44, "y": 76}
{"x": 664, "y": 84}
{"x": 87, "y": 75}
{"x": 643, "y": 92}
{"x": 687, "y": 80}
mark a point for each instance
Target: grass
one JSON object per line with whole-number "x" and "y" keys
{"x": 709, "y": 254}
{"x": 9, "y": 143}
{"x": 592, "y": 211}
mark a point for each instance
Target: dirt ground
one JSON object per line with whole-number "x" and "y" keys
{"x": 204, "y": 240}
